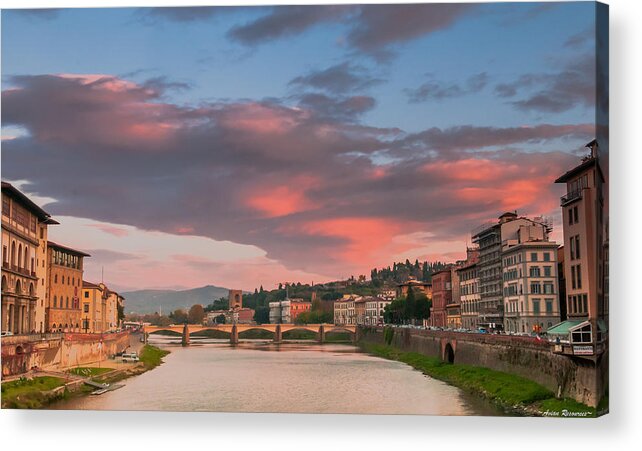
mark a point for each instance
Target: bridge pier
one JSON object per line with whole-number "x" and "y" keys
{"x": 321, "y": 334}
{"x": 185, "y": 339}
{"x": 234, "y": 335}
{"x": 278, "y": 336}
{"x": 356, "y": 335}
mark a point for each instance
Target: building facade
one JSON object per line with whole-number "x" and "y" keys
{"x": 64, "y": 280}
{"x": 417, "y": 285}
{"x": 99, "y": 308}
{"x": 441, "y": 296}
{"x": 298, "y": 306}
{"x": 469, "y": 295}
{"x": 375, "y": 307}
{"x": 530, "y": 282}
{"x": 280, "y": 312}
{"x": 24, "y": 231}
{"x": 585, "y": 235}
{"x": 344, "y": 310}
{"x": 489, "y": 237}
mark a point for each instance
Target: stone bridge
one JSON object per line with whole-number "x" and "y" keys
{"x": 235, "y": 329}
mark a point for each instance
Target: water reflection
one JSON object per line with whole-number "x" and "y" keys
{"x": 260, "y": 376}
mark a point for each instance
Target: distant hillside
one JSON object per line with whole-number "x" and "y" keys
{"x": 150, "y": 301}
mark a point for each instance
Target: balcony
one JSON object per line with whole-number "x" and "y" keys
{"x": 570, "y": 197}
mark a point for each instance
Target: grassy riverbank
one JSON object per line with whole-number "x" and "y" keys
{"x": 31, "y": 393}
{"x": 40, "y": 391}
{"x": 514, "y": 394}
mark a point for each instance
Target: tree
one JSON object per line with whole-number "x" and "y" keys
{"x": 422, "y": 307}
{"x": 178, "y": 316}
{"x": 120, "y": 308}
{"x": 196, "y": 314}
{"x": 409, "y": 307}
{"x": 262, "y": 315}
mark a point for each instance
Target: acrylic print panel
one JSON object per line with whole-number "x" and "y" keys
{"x": 371, "y": 209}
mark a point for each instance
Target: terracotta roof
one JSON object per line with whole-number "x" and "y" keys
{"x": 86, "y": 284}
{"x": 67, "y": 248}
{"x": 14, "y": 192}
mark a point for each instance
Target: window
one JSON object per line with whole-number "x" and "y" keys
{"x": 536, "y": 306}
{"x": 549, "y": 307}
{"x": 582, "y": 335}
{"x": 55, "y": 278}
{"x": 534, "y": 271}
{"x": 579, "y": 276}
{"x": 547, "y": 257}
{"x": 573, "y": 283}
{"x": 533, "y": 256}
{"x": 55, "y": 304}
{"x": 576, "y": 219}
{"x": 85, "y": 308}
{"x": 585, "y": 303}
{"x": 577, "y": 246}
{"x": 6, "y": 206}
{"x": 536, "y": 288}
{"x": 67, "y": 302}
{"x": 547, "y": 271}
{"x": 572, "y": 248}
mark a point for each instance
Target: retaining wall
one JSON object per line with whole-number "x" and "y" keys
{"x": 581, "y": 379}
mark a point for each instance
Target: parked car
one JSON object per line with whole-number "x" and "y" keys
{"x": 6, "y": 333}
{"x": 131, "y": 357}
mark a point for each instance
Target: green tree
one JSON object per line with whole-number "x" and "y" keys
{"x": 262, "y": 315}
{"x": 178, "y": 316}
{"x": 196, "y": 314}
{"x": 409, "y": 307}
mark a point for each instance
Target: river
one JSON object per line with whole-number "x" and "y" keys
{"x": 290, "y": 377}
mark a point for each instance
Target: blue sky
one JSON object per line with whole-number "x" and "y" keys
{"x": 408, "y": 90}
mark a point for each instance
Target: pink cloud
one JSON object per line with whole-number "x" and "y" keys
{"x": 112, "y": 230}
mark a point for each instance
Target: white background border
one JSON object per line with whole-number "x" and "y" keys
{"x": 621, "y": 429}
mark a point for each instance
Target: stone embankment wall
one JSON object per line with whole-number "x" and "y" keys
{"x": 55, "y": 352}
{"x": 573, "y": 377}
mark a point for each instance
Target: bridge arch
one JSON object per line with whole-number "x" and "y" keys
{"x": 449, "y": 353}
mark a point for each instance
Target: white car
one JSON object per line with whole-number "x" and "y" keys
{"x": 131, "y": 357}
{"x": 6, "y": 333}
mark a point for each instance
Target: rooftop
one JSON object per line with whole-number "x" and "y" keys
{"x": 10, "y": 190}
{"x": 68, "y": 249}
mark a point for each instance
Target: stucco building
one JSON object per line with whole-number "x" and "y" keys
{"x": 375, "y": 307}
{"x": 441, "y": 296}
{"x": 417, "y": 285}
{"x": 469, "y": 295}
{"x": 489, "y": 238}
{"x": 24, "y": 236}
{"x": 298, "y": 306}
{"x": 64, "y": 280}
{"x": 99, "y": 308}
{"x": 585, "y": 235}
{"x": 530, "y": 282}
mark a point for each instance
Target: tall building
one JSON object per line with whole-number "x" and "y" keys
{"x": 584, "y": 257}
{"x": 489, "y": 238}
{"x": 235, "y": 299}
{"x": 24, "y": 235}
{"x": 99, "y": 308}
{"x": 64, "y": 280}
{"x": 530, "y": 283}
{"x": 441, "y": 296}
{"x": 469, "y": 295}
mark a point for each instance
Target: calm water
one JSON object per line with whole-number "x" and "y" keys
{"x": 291, "y": 377}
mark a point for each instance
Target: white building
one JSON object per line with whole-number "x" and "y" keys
{"x": 530, "y": 287}
{"x": 280, "y": 312}
{"x": 374, "y": 310}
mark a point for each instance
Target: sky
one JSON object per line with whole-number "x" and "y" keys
{"x": 247, "y": 146}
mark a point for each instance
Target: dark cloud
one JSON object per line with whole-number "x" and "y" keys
{"x": 337, "y": 79}
{"x": 438, "y": 90}
{"x": 378, "y": 27}
{"x": 284, "y": 21}
{"x": 373, "y": 29}
{"x": 573, "y": 86}
{"x": 107, "y": 257}
{"x": 185, "y": 14}
{"x": 337, "y": 108}
{"x": 298, "y": 181}
{"x": 580, "y": 39}
{"x": 40, "y": 13}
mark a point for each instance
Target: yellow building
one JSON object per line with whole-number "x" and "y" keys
{"x": 64, "y": 279}
{"x": 24, "y": 236}
{"x": 100, "y": 308}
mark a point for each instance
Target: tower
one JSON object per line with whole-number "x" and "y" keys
{"x": 235, "y": 298}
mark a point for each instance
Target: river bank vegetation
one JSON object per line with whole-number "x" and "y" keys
{"x": 513, "y": 394}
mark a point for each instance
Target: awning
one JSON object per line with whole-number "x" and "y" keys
{"x": 563, "y": 327}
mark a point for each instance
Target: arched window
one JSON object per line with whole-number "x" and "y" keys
{"x": 31, "y": 290}
{"x": 4, "y": 283}
{"x": 55, "y": 278}
{"x": 20, "y": 256}
{"x": 18, "y": 287}
{"x": 55, "y": 304}
{"x": 67, "y": 304}
{"x": 13, "y": 253}
{"x": 53, "y": 326}
{"x": 26, "y": 260}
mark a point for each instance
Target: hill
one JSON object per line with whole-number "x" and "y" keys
{"x": 150, "y": 301}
